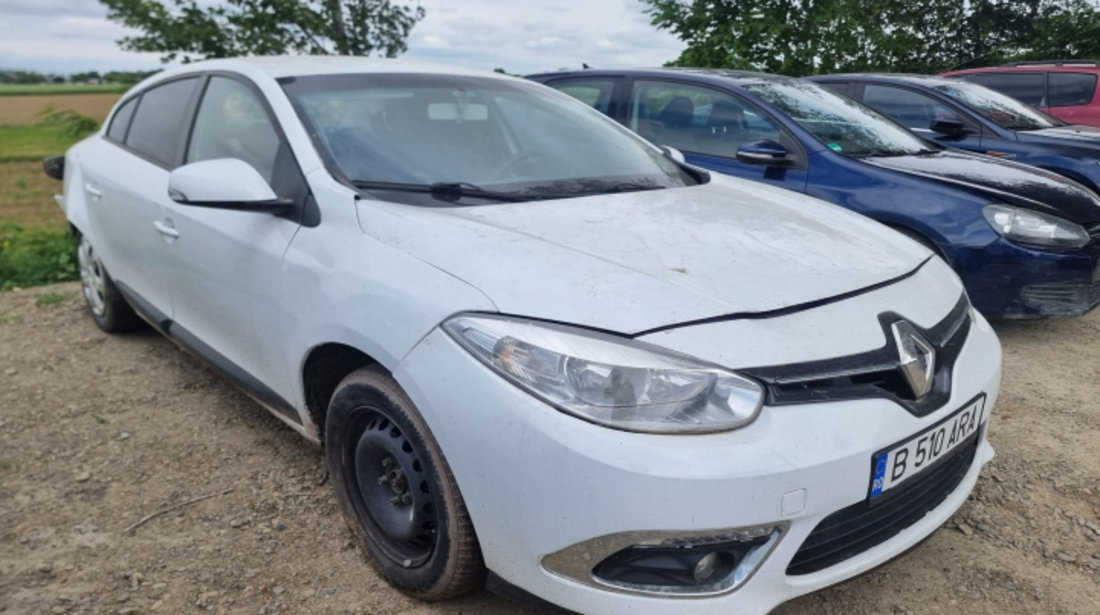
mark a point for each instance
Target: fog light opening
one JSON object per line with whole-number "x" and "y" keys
{"x": 696, "y": 565}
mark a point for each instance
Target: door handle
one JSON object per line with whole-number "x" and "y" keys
{"x": 93, "y": 191}
{"x": 165, "y": 228}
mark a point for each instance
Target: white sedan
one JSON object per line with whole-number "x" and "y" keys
{"x": 539, "y": 352}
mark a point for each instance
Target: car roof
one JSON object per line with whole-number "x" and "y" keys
{"x": 928, "y": 81}
{"x": 720, "y": 76}
{"x": 279, "y": 67}
{"x": 1058, "y": 66}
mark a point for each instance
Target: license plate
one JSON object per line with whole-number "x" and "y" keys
{"x": 905, "y": 460}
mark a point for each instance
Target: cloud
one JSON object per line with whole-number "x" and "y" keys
{"x": 521, "y": 37}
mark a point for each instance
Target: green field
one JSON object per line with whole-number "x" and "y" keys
{"x": 32, "y": 141}
{"x": 40, "y": 89}
{"x": 35, "y": 245}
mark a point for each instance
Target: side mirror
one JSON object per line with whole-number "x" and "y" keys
{"x": 673, "y": 153}
{"x": 54, "y": 166}
{"x": 768, "y": 153}
{"x": 950, "y": 126}
{"x": 226, "y": 183}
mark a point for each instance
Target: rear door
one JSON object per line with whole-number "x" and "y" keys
{"x": 1071, "y": 97}
{"x": 126, "y": 186}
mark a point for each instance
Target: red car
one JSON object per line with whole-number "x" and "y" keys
{"x": 1065, "y": 89}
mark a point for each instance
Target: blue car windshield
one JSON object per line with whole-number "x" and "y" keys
{"x": 1004, "y": 111}
{"x": 472, "y": 137}
{"x": 842, "y": 124}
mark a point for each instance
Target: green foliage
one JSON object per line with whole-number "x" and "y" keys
{"x": 35, "y": 257}
{"x": 128, "y": 77}
{"x": 69, "y": 123}
{"x": 803, "y": 37}
{"x": 184, "y": 29}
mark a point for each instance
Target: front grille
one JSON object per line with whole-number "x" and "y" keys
{"x": 874, "y": 374}
{"x": 864, "y": 525}
{"x": 1061, "y": 299}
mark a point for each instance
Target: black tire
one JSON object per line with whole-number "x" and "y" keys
{"x": 108, "y": 308}
{"x": 396, "y": 490}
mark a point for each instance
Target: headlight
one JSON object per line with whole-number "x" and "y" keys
{"x": 1032, "y": 227}
{"x": 618, "y": 383}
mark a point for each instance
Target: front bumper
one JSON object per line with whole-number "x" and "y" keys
{"x": 1007, "y": 280}
{"x": 537, "y": 481}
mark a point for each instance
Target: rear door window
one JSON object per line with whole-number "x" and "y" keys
{"x": 594, "y": 92}
{"x": 1024, "y": 87}
{"x": 1071, "y": 89}
{"x": 159, "y": 121}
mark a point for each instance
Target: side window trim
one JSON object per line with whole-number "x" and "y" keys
{"x": 787, "y": 138}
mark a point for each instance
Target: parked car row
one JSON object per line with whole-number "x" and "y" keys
{"x": 1024, "y": 238}
{"x": 545, "y": 355}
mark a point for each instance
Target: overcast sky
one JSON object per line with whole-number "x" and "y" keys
{"x": 521, "y": 36}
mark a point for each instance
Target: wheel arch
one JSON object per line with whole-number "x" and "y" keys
{"x": 324, "y": 367}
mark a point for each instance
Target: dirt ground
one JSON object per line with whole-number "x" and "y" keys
{"x": 97, "y": 432}
{"x": 25, "y": 109}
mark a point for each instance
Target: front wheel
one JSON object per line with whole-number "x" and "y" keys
{"x": 396, "y": 490}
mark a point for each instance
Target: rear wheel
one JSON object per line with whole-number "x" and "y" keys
{"x": 106, "y": 305}
{"x": 396, "y": 490}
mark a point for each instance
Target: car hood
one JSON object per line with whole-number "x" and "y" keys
{"x": 1002, "y": 181}
{"x": 1076, "y": 132}
{"x": 638, "y": 261}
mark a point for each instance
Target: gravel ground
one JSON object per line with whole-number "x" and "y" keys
{"x": 97, "y": 432}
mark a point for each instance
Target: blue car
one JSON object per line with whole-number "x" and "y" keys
{"x": 972, "y": 117}
{"x": 1026, "y": 242}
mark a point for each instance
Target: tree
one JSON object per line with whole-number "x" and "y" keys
{"x": 801, "y": 37}
{"x": 188, "y": 31}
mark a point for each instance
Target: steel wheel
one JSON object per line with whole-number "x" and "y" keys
{"x": 396, "y": 490}
{"x": 108, "y": 308}
{"x": 393, "y": 491}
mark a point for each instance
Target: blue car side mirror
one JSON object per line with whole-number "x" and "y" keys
{"x": 767, "y": 153}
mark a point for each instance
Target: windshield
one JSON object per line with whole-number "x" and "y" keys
{"x": 842, "y": 124}
{"x": 1004, "y": 111}
{"x": 455, "y": 138}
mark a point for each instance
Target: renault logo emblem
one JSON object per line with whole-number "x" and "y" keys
{"x": 917, "y": 358}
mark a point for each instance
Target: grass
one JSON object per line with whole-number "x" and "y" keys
{"x": 26, "y": 197}
{"x": 33, "y": 142}
{"x": 40, "y": 89}
{"x": 51, "y": 298}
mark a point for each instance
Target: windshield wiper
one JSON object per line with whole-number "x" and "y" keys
{"x": 629, "y": 187}
{"x": 451, "y": 191}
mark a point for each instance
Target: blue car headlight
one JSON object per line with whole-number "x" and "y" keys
{"x": 1034, "y": 228}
